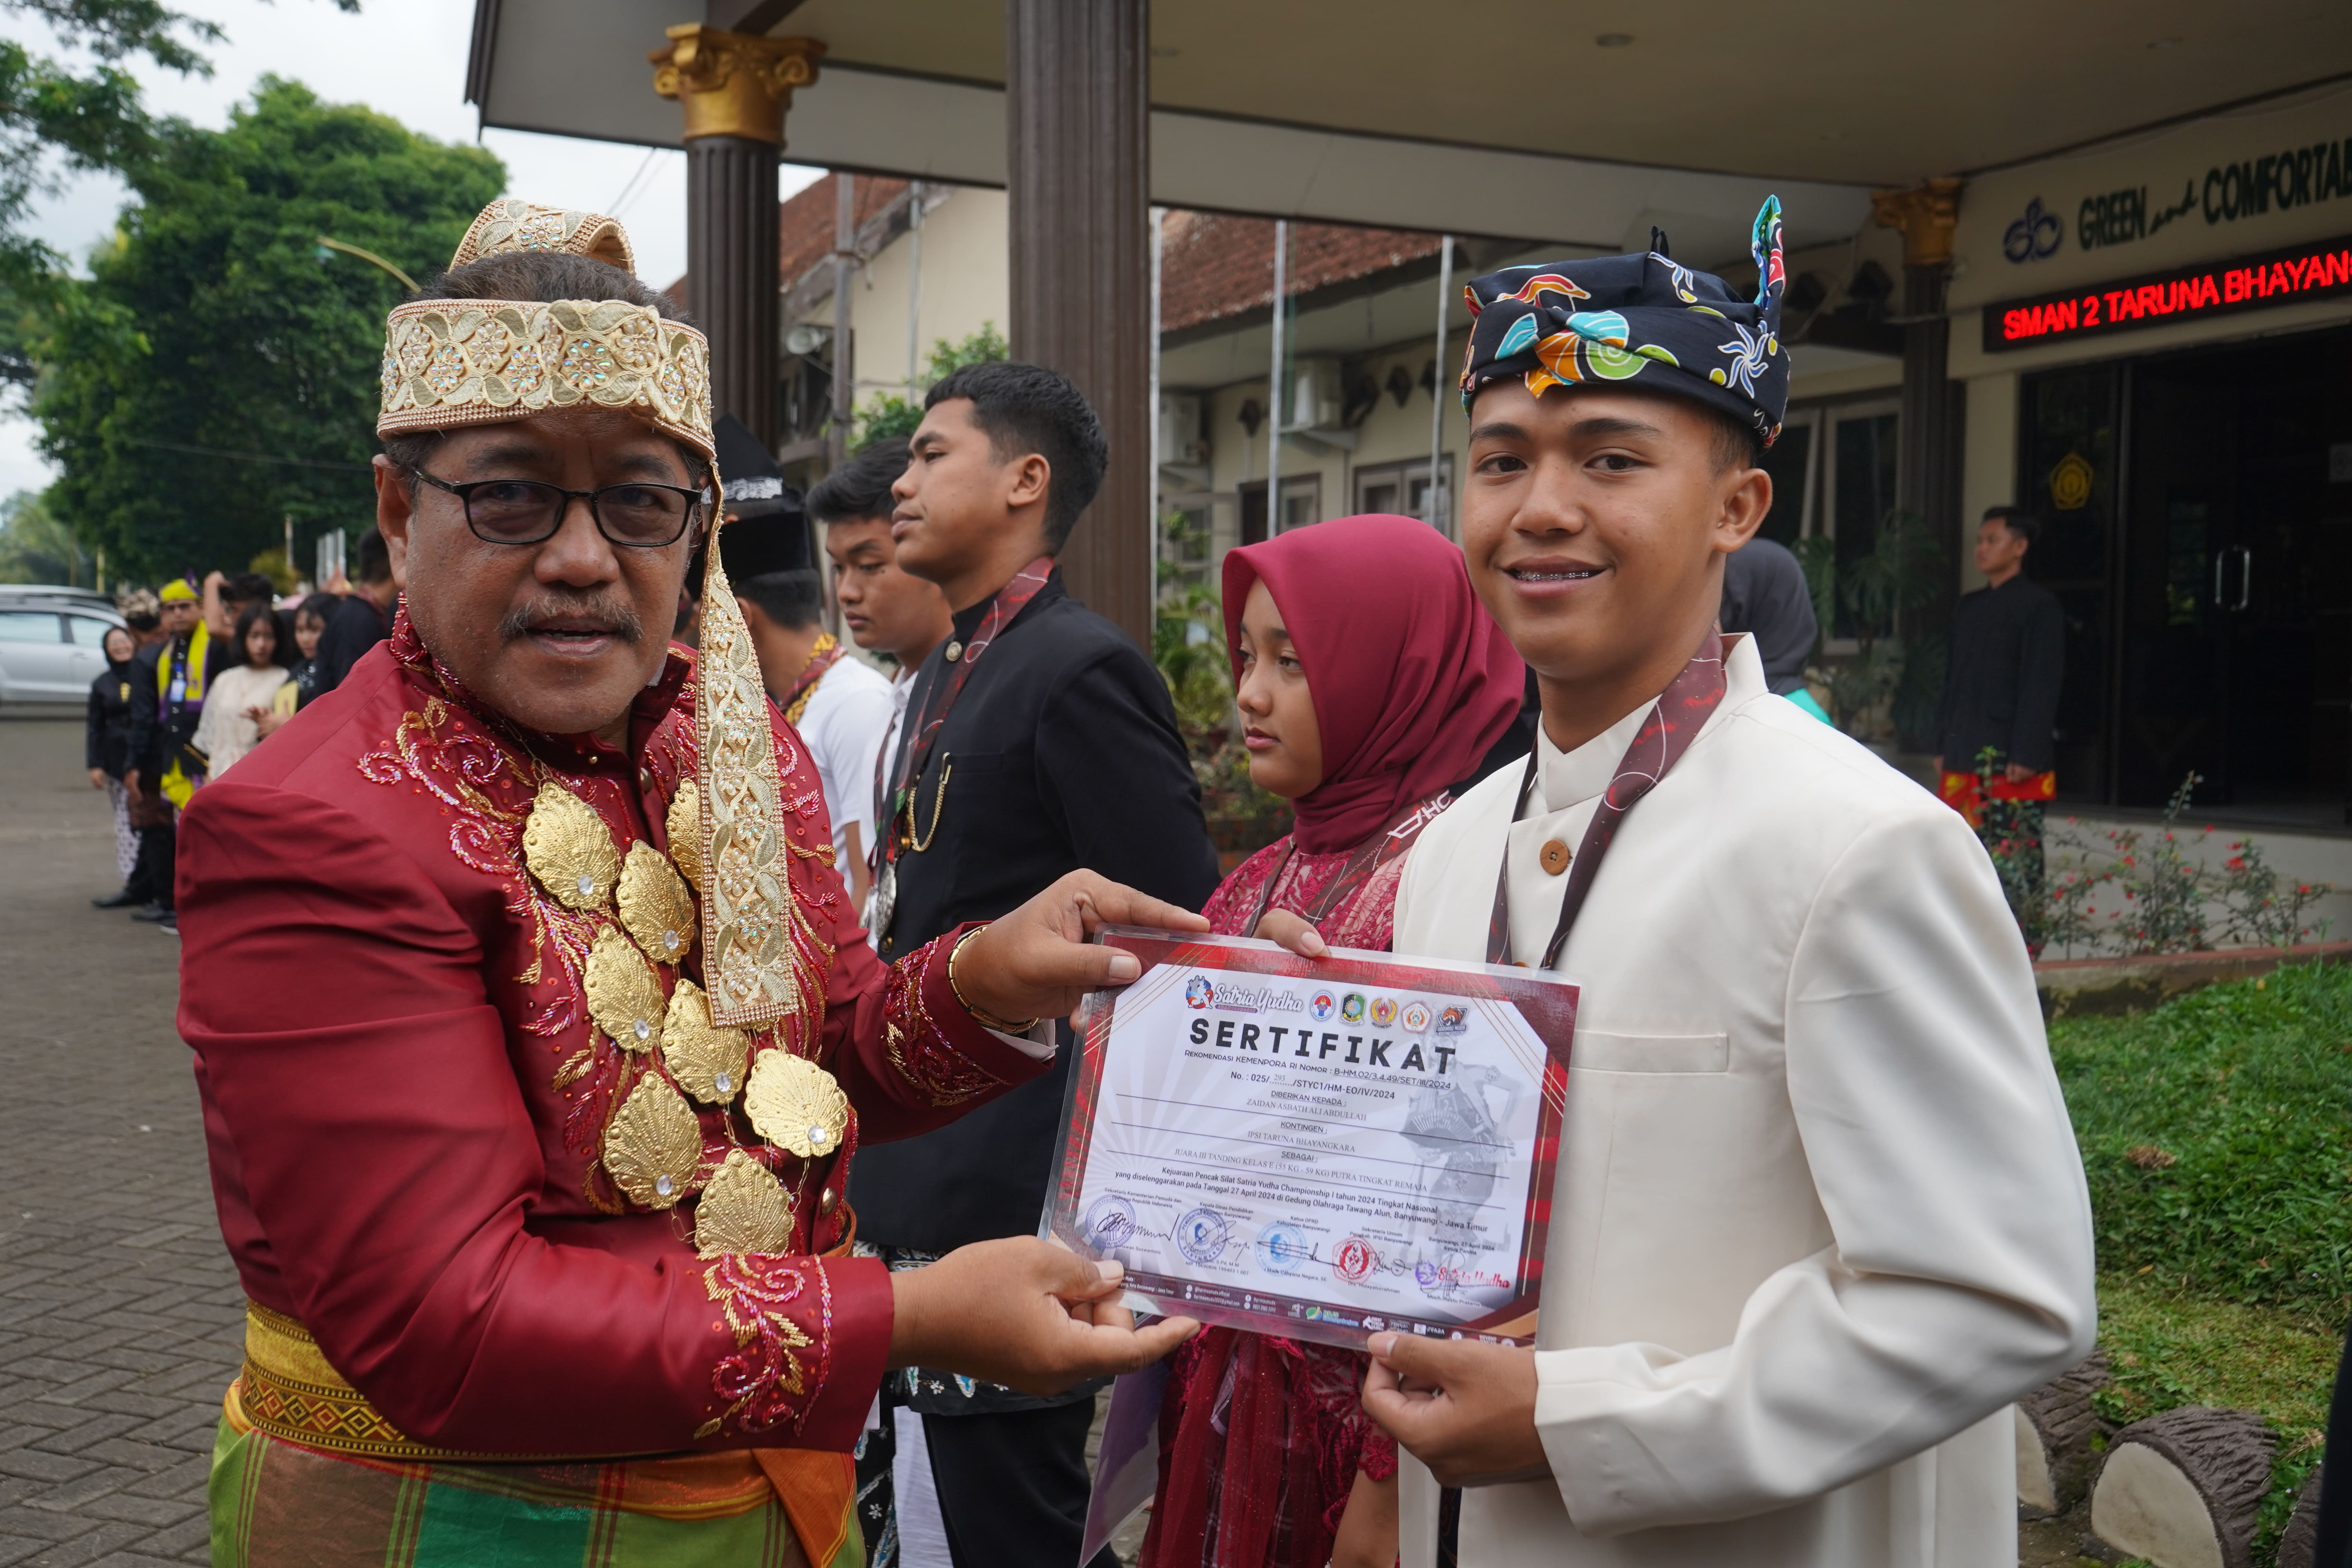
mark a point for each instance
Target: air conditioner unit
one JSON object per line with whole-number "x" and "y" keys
{"x": 1314, "y": 397}
{"x": 1180, "y": 429}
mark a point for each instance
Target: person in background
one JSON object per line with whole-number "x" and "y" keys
{"x": 754, "y": 492}
{"x": 225, "y": 598}
{"x": 1368, "y": 677}
{"x": 2003, "y": 665}
{"x": 142, "y": 613}
{"x": 1765, "y": 595}
{"x": 364, "y": 618}
{"x": 1039, "y": 739}
{"x": 838, "y": 704}
{"x": 887, "y": 609}
{"x": 168, "y": 705}
{"x": 240, "y": 696}
{"x": 106, "y": 752}
{"x": 309, "y": 626}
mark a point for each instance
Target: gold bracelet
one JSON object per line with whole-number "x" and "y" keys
{"x": 990, "y": 1019}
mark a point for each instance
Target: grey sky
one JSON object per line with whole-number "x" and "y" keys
{"x": 405, "y": 58}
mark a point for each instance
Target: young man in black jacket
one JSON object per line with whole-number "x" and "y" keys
{"x": 2005, "y": 661}
{"x": 1038, "y": 739}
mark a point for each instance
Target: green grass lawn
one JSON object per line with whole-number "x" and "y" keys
{"x": 2217, "y": 1135}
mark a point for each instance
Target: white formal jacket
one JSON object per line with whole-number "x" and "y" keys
{"x": 1819, "y": 1214}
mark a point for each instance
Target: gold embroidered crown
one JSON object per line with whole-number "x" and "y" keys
{"x": 475, "y": 362}
{"x": 448, "y": 362}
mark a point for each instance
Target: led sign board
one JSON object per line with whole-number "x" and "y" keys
{"x": 2181, "y": 294}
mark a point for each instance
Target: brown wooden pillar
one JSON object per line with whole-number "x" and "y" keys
{"x": 1927, "y": 474}
{"x": 734, "y": 88}
{"x": 1077, "y": 113}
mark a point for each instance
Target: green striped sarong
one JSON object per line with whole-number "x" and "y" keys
{"x": 275, "y": 1504}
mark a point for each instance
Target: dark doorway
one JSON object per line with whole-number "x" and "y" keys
{"x": 1250, "y": 494}
{"x": 2238, "y": 579}
{"x": 2207, "y": 580}
{"x": 2070, "y": 436}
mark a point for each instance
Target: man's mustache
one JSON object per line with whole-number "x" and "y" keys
{"x": 606, "y": 613}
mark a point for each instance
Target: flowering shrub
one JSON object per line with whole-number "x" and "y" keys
{"x": 2168, "y": 895}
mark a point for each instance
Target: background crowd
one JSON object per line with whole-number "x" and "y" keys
{"x": 199, "y": 675}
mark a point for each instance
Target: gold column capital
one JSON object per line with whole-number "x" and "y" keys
{"x": 733, "y": 84}
{"x": 1927, "y": 214}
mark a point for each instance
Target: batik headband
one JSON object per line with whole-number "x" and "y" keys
{"x": 452, "y": 363}
{"x": 448, "y": 362}
{"x": 1644, "y": 319}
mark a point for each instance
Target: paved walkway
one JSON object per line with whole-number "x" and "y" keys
{"x": 120, "y": 1316}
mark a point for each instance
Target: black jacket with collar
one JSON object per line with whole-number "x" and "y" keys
{"x": 2004, "y": 667}
{"x": 1061, "y": 751}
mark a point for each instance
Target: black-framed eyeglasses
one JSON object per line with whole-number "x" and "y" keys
{"x": 638, "y": 515}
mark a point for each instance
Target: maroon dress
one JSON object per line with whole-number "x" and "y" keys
{"x": 1260, "y": 1438}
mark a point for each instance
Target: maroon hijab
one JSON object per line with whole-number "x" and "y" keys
{"x": 1411, "y": 681}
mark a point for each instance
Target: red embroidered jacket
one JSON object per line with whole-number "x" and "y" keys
{"x": 405, "y": 1097}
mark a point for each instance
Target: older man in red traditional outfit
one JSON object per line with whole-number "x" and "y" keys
{"x": 533, "y": 1026}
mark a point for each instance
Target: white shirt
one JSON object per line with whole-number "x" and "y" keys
{"x": 1819, "y": 1214}
{"x": 842, "y": 726}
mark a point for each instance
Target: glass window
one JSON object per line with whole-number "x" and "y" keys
{"x": 86, "y": 631}
{"x": 1863, "y": 495}
{"x": 1302, "y": 502}
{"x": 30, "y": 625}
{"x": 1402, "y": 489}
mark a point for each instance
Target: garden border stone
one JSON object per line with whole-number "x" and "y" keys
{"x": 2075, "y": 987}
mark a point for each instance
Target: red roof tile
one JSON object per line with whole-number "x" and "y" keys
{"x": 805, "y": 224}
{"x": 1212, "y": 266}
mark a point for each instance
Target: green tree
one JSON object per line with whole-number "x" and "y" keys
{"x": 55, "y": 119}
{"x": 35, "y": 548}
{"x": 219, "y": 370}
{"x": 890, "y": 415}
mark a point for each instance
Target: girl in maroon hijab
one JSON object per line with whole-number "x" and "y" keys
{"x": 1369, "y": 678}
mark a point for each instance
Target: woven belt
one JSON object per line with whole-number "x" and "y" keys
{"x": 289, "y": 1391}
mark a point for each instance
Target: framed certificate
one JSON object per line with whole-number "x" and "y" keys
{"x": 1319, "y": 1149}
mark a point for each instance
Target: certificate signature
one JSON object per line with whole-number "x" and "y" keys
{"x": 1323, "y": 1155}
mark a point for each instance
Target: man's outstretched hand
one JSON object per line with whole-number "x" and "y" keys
{"x": 1036, "y": 962}
{"x": 1466, "y": 1410}
{"x": 1023, "y": 1313}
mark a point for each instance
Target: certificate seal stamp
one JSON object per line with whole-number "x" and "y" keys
{"x": 1285, "y": 1250}
{"x": 1110, "y": 1223}
{"x": 1200, "y": 1235}
{"x": 1354, "y": 1260}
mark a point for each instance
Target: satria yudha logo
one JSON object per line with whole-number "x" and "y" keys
{"x": 1199, "y": 993}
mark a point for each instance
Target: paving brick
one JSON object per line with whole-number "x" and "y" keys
{"x": 135, "y": 1455}
{"x": 194, "y": 1533}
{"x": 70, "y": 1497}
{"x": 82, "y": 1434}
{"x": 184, "y": 1479}
{"x": 154, "y": 1512}
{"x": 107, "y": 1536}
{"x": 34, "y": 1465}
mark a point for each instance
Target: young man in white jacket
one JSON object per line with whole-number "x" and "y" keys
{"x": 1819, "y": 1214}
